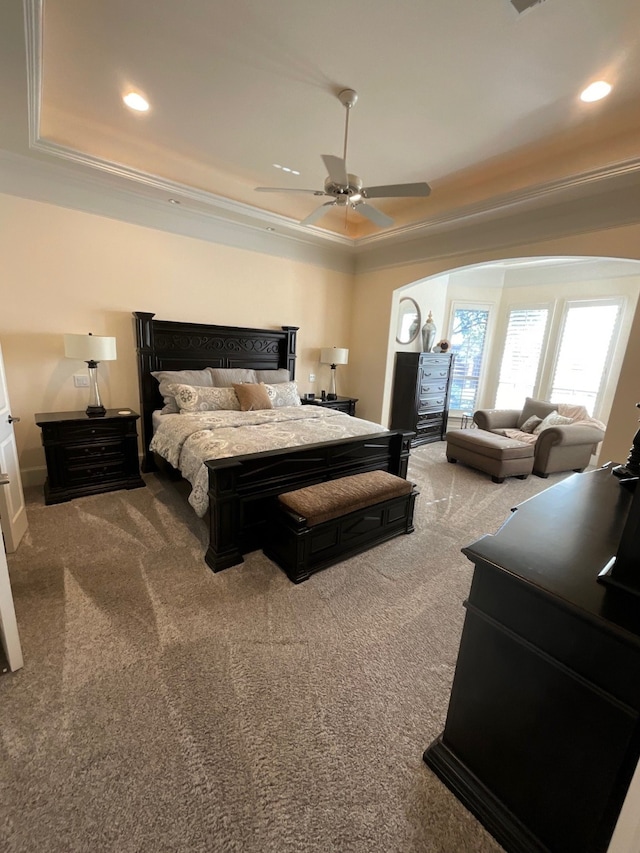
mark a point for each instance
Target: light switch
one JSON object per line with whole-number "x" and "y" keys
{"x": 80, "y": 380}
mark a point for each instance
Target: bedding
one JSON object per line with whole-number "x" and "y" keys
{"x": 187, "y": 440}
{"x": 253, "y": 398}
{"x": 217, "y": 377}
{"x": 197, "y": 398}
{"x": 187, "y": 377}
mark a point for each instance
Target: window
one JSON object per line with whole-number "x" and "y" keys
{"x": 521, "y": 356}
{"x": 468, "y": 337}
{"x": 588, "y": 331}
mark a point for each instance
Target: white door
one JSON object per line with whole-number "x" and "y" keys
{"x": 8, "y": 625}
{"x": 13, "y": 515}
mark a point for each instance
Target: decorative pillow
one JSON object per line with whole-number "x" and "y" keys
{"x": 284, "y": 394}
{"x": 531, "y": 423}
{"x": 552, "y": 419}
{"x": 225, "y": 377}
{"x": 273, "y": 377}
{"x": 539, "y": 408}
{"x": 194, "y": 398}
{"x": 252, "y": 397}
{"x": 175, "y": 377}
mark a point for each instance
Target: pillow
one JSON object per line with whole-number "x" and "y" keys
{"x": 273, "y": 377}
{"x": 252, "y": 397}
{"x": 539, "y": 408}
{"x": 531, "y": 423}
{"x": 284, "y": 394}
{"x": 186, "y": 377}
{"x": 195, "y": 398}
{"x": 225, "y": 377}
{"x": 552, "y": 419}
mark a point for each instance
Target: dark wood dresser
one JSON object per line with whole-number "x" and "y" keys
{"x": 543, "y": 729}
{"x": 87, "y": 455}
{"x": 421, "y": 387}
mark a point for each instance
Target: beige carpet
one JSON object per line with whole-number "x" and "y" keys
{"x": 165, "y": 708}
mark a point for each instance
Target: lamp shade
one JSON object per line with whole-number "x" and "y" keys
{"x": 90, "y": 347}
{"x": 334, "y": 355}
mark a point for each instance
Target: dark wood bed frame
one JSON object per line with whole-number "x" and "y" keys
{"x": 242, "y": 488}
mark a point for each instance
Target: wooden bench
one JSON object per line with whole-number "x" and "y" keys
{"x": 320, "y": 525}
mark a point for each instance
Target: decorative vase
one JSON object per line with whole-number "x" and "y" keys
{"x": 428, "y": 334}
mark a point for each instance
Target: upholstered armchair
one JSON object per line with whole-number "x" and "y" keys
{"x": 565, "y": 436}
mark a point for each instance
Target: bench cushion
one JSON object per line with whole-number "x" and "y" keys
{"x": 335, "y": 498}
{"x": 488, "y": 444}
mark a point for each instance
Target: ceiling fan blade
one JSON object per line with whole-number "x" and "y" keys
{"x": 317, "y": 213}
{"x": 287, "y": 190}
{"x": 376, "y": 216}
{"x": 337, "y": 169}
{"x": 398, "y": 190}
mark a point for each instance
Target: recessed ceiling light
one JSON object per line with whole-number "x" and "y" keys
{"x": 294, "y": 172}
{"x": 277, "y": 166}
{"x": 596, "y": 91}
{"x": 173, "y": 201}
{"x": 271, "y": 229}
{"x": 136, "y": 102}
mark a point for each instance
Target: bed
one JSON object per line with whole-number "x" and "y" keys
{"x": 241, "y": 488}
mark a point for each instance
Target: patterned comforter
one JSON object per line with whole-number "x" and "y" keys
{"x": 187, "y": 440}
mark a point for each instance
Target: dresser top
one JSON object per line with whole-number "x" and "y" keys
{"x": 560, "y": 540}
{"x": 83, "y": 417}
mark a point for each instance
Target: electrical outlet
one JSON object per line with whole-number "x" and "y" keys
{"x": 312, "y": 377}
{"x": 80, "y": 380}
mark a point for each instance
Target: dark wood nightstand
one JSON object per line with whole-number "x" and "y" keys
{"x": 342, "y": 404}
{"x": 86, "y": 456}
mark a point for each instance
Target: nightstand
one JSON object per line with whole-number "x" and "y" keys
{"x": 342, "y": 404}
{"x": 86, "y": 456}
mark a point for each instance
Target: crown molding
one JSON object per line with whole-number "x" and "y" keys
{"x": 207, "y": 201}
{"x": 57, "y": 183}
{"x": 603, "y": 198}
{"x": 33, "y": 12}
{"x": 541, "y": 195}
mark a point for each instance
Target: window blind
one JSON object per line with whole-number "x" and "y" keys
{"x": 521, "y": 356}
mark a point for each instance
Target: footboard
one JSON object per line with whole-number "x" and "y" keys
{"x": 241, "y": 487}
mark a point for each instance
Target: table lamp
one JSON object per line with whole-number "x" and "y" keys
{"x": 92, "y": 349}
{"x": 333, "y": 356}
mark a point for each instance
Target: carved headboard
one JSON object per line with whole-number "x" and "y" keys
{"x": 169, "y": 345}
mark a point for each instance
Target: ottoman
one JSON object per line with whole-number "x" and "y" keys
{"x": 494, "y": 454}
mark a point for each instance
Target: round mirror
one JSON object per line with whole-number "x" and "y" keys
{"x": 408, "y": 320}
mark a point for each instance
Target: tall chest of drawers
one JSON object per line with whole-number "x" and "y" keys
{"x": 421, "y": 387}
{"x": 86, "y": 455}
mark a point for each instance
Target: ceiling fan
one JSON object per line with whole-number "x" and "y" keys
{"x": 347, "y": 190}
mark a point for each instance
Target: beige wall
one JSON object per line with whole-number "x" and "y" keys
{"x": 66, "y": 271}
